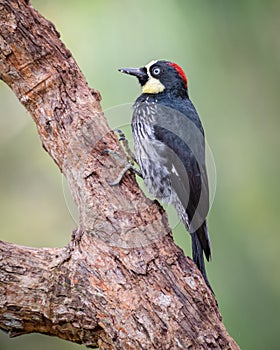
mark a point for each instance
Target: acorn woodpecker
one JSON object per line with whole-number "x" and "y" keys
{"x": 169, "y": 148}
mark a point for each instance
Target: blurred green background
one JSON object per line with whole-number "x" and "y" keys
{"x": 230, "y": 51}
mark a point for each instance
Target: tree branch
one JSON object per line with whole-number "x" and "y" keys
{"x": 36, "y": 296}
{"x": 121, "y": 283}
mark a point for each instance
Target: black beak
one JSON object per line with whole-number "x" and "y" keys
{"x": 140, "y": 73}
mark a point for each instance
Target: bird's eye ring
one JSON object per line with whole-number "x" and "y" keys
{"x": 156, "y": 71}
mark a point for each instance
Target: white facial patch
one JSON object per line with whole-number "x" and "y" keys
{"x": 153, "y": 85}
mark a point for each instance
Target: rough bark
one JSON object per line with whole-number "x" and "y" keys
{"x": 121, "y": 283}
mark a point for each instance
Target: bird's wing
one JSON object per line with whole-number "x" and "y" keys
{"x": 184, "y": 156}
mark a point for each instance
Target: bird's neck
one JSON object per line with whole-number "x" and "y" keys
{"x": 164, "y": 96}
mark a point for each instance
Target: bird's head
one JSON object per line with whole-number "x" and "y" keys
{"x": 160, "y": 76}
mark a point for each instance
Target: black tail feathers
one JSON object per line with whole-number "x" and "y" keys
{"x": 200, "y": 244}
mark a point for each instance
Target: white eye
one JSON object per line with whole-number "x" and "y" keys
{"x": 156, "y": 71}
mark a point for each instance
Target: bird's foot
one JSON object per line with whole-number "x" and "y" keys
{"x": 130, "y": 155}
{"x": 127, "y": 166}
{"x": 127, "y": 163}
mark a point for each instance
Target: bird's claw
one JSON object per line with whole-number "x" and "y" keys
{"x": 127, "y": 166}
{"x": 122, "y": 138}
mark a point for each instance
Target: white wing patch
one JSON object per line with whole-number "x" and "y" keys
{"x": 173, "y": 170}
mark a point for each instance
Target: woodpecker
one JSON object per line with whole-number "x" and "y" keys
{"x": 169, "y": 147}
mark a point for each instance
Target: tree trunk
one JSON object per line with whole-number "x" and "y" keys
{"x": 121, "y": 283}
